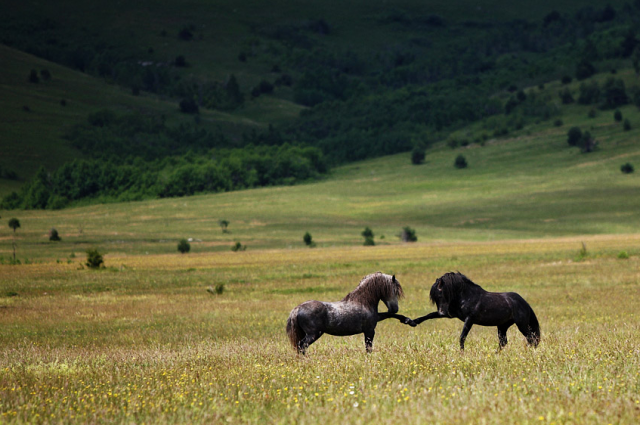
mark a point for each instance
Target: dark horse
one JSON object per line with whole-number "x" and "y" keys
{"x": 356, "y": 313}
{"x": 457, "y": 296}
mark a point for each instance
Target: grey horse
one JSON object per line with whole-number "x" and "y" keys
{"x": 356, "y": 313}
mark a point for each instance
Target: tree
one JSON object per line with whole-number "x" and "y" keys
{"x": 53, "y": 235}
{"x": 14, "y": 223}
{"x": 189, "y": 106}
{"x": 33, "y": 76}
{"x": 223, "y": 225}
{"x": 367, "y": 233}
{"x": 184, "y": 246}
{"x": 408, "y": 234}
{"x": 587, "y": 143}
{"x": 460, "y": 162}
{"x": 94, "y": 259}
{"x": 573, "y": 136}
{"x": 617, "y": 115}
{"x": 417, "y": 155}
{"x": 627, "y": 168}
{"x": 626, "y": 125}
{"x": 234, "y": 95}
{"x": 238, "y": 247}
{"x": 308, "y": 240}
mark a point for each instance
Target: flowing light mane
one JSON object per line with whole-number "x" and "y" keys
{"x": 375, "y": 287}
{"x": 453, "y": 283}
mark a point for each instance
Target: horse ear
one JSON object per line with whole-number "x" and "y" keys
{"x": 393, "y": 278}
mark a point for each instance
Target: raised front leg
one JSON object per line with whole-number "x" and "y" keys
{"x": 368, "y": 340}
{"x": 400, "y": 317}
{"x": 434, "y": 315}
{"x": 465, "y": 331}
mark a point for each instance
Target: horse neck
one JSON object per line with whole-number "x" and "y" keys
{"x": 360, "y": 296}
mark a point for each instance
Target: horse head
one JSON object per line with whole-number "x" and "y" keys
{"x": 391, "y": 297}
{"x": 439, "y": 296}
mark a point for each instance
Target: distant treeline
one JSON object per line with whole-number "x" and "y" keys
{"x": 216, "y": 171}
{"x": 134, "y": 156}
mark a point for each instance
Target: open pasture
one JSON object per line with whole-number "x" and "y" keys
{"x": 144, "y": 342}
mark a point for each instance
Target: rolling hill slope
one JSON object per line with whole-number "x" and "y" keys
{"x": 531, "y": 185}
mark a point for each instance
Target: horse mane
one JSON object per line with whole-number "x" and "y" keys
{"x": 453, "y": 284}
{"x": 373, "y": 288}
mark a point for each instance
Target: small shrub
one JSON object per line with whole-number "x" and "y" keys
{"x": 367, "y": 233}
{"x": 238, "y": 247}
{"x": 33, "y": 77}
{"x": 242, "y": 57}
{"x": 53, "y": 235}
{"x": 623, "y": 255}
{"x": 218, "y": 290}
{"x": 184, "y": 246}
{"x": 45, "y": 74}
{"x": 223, "y": 225}
{"x": 566, "y": 80}
{"x": 63, "y": 102}
{"x": 627, "y": 168}
{"x": 592, "y": 113}
{"x": 14, "y": 223}
{"x": 626, "y": 125}
{"x": 308, "y": 240}
{"x": 189, "y": 106}
{"x": 94, "y": 259}
{"x": 617, "y": 115}
{"x": 460, "y": 162}
{"x": 369, "y": 242}
{"x": 185, "y": 34}
{"x": 408, "y": 234}
{"x": 573, "y": 136}
{"x": 558, "y": 123}
{"x": 417, "y": 155}
{"x": 452, "y": 143}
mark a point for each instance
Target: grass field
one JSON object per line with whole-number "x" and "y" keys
{"x": 144, "y": 342}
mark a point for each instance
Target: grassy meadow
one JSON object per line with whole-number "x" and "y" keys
{"x": 144, "y": 342}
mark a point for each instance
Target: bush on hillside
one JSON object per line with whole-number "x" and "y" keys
{"x": 189, "y": 106}
{"x": 627, "y": 168}
{"x": 184, "y": 246}
{"x": 408, "y": 234}
{"x": 417, "y": 155}
{"x": 53, "y": 235}
{"x": 573, "y": 136}
{"x": 460, "y": 162}
{"x": 94, "y": 259}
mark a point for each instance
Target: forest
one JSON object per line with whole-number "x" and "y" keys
{"x": 435, "y": 77}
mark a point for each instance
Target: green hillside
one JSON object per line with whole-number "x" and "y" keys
{"x": 34, "y": 120}
{"x": 529, "y": 185}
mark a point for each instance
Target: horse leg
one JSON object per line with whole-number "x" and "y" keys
{"x": 434, "y": 315}
{"x": 502, "y": 334}
{"x": 400, "y": 317}
{"x": 308, "y": 339}
{"x": 468, "y": 323}
{"x": 368, "y": 339}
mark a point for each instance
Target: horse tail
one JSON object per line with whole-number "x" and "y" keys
{"x": 534, "y": 329}
{"x": 293, "y": 330}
